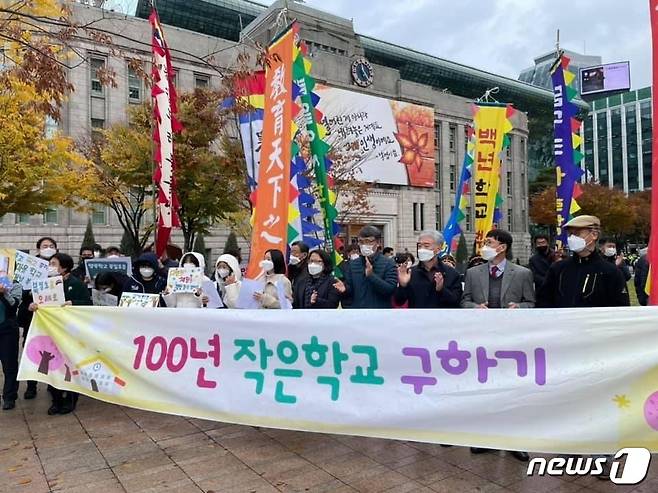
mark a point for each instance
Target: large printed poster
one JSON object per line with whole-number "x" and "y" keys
{"x": 394, "y": 139}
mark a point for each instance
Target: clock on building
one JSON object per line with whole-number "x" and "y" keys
{"x": 362, "y": 73}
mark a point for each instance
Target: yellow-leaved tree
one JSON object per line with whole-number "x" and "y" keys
{"x": 37, "y": 171}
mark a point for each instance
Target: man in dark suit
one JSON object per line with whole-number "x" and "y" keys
{"x": 431, "y": 283}
{"x": 371, "y": 279}
{"x": 499, "y": 284}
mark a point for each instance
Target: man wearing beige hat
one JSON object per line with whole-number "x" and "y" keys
{"x": 585, "y": 279}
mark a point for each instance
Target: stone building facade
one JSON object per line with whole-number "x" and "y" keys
{"x": 400, "y": 210}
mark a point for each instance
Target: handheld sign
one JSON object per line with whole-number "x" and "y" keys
{"x": 248, "y": 288}
{"x": 94, "y": 266}
{"x": 99, "y": 298}
{"x": 29, "y": 268}
{"x": 210, "y": 290}
{"x": 182, "y": 280}
{"x": 7, "y": 256}
{"x": 49, "y": 291}
{"x": 139, "y": 300}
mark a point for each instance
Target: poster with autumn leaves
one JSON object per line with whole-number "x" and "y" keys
{"x": 393, "y": 140}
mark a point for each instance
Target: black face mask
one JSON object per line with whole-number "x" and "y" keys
{"x": 542, "y": 249}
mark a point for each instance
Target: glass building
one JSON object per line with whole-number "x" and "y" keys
{"x": 618, "y": 135}
{"x": 540, "y": 74}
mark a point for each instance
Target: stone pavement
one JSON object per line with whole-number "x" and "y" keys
{"x": 103, "y": 448}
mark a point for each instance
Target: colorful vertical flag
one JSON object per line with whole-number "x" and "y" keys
{"x": 166, "y": 125}
{"x": 251, "y": 93}
{"x": 492, "y": 125}
{"x": 272, "y": 197}
{"x": 566, "y": 145}
{"x": 652, "y": 281}
{"x": 315, "y": 132}
{"x": 453, "y": 228}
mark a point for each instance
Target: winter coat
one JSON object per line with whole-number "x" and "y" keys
{"x": 187, "y": 300}
{"x": 229, "y": 293}
{"x": 328, "y": 296}
{"x": 374, "y": 291}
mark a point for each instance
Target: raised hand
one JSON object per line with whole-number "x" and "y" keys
{"x": 404, "y": 275}
{"x": 314, "y": 297}
{"x": 368, "y": 267}
{"x": 438, "y": 280}
{"x": 340, "y": 286}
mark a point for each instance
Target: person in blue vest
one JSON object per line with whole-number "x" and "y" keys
{"x": 370, "y": 280}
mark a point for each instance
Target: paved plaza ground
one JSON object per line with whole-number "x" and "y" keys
{"x": 102, "y": 448}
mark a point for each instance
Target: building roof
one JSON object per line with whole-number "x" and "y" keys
{"x": 226, "y": 19}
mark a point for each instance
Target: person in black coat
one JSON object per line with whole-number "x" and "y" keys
{"x": 608, "y": 249}
{"x": 640, "y": 280}
{"x": 298, "y": 265}
{"x": 542, "y": 260}
{"x": 317, "y": 289}
{"x": 431, "y": 283}
{"x": 585, "y": 279}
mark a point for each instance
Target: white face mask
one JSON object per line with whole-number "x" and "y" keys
{"x": 610, "y": 252}
{"x": 366, "y": 250}
{"x": 97, "y": 254}
{"x": 294, "y": 260}
{"x": 223, "y": 273}
{"x": 189, "y": 265}
{"x": 146, "y": 272}
{"x": 315, "y": 269}
{"x": 576, "y": 243}
{"x": 47, "y": 252}
{"x": 113, "y": 256}
{"x": 488, "y": 253}
{"x": 354, "y": 256}
{"x": 52, "y": 271}
{"x": 107, "y": 290}
{"x": 267, "y": 265}
{"x": 425, "y": 255}
{"x": 410, "y": 264}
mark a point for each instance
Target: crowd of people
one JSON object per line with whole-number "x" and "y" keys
{"x": 593, "y": 275}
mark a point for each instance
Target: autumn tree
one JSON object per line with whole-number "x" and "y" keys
{"x": 611, "y": 206}
{"x": 542, "y": 207}
{"x": 641, "y": 203}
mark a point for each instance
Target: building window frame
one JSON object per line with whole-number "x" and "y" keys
{"x": 135, "y": 86}
{"x": 99, "y": 215}
{"x": 452, "y": 137}
{"x": 97, "y": 62}
{"x": 22, "y": 218}
{"x": 50, "y": 216}
{"x": 201, "y": 81}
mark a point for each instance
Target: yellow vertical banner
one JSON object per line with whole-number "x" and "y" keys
{"x": 491, "y": 124}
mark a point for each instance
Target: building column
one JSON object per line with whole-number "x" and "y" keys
{"x": 595, "y": 145}
{"x": 640, "y": 161}
{"x": 624, "y": 151}
{"x": 608, "y": 118}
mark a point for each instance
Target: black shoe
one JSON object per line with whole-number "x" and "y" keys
{"x": 444, "y": 445}
{"x": 477, "y": 450}
{"x": 522, "y": 456}
{"x": 7, "y": 405}
{"x": 54, "y": 409}
{"x": 66, "y": 409}
{"x": 30, "y": 394}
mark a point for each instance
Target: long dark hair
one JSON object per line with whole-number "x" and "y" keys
{"x": 326, "y": 261}
{"x": 278, "y": 260}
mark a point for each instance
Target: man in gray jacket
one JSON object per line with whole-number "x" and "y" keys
{"x": 499, "y": 284}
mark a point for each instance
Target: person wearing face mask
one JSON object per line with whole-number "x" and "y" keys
{"x": 298, "y": 264}
{"x": 431, "y": 283}
{"x": 76, "y": 294}
{"x": 318, "y": 289}
{"x": 46, "y": 248}
{"x": 110, "y": 283}
{"x": 641, "y": 276}
{"x": 228, "y": 279}
{"x": 188, "y": 300}
{"x": 112, "y": 252}
{"x": 542, "y": 260}
{"x": 369, "y": 281}
{"x": 585, "y": 279}
{"x": 499, "y": 283}
{"x": 86, "y": 252}
{"x": 608, "y": 249}
{"x": 274, "y": 272}
{"x": 146, "y": 277}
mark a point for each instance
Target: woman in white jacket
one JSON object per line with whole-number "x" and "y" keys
{"x": 228, "y": 279}
{"x": 274, "y": 273}
{"x": 188, "y": 300}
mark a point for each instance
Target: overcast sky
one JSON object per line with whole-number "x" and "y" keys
{"x": 502, "y": 36}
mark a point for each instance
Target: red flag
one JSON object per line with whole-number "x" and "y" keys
{"x": 164, "y": 114}
{"x": 653, "y": 243}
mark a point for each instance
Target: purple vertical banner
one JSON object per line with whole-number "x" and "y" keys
{"x": 565, "y": 124}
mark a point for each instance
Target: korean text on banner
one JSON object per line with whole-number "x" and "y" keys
{"x": 139, "y": 300}
{"x": 49, "y": 292}
{"x": 496, "y": 383}
{"x": 491, "y": 126}
{"x": 270, "y": 228}
{"x": 94, "y": 267}
{"x": 29, "y": 268}
{"x": 184, "y": 280}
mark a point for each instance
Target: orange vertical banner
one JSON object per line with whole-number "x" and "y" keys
{"x": 270, "y": 227}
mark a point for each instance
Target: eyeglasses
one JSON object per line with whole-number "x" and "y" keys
{"x": 367, "y": 241}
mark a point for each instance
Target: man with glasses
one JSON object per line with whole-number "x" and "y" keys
{"x": 370, "y": 280}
